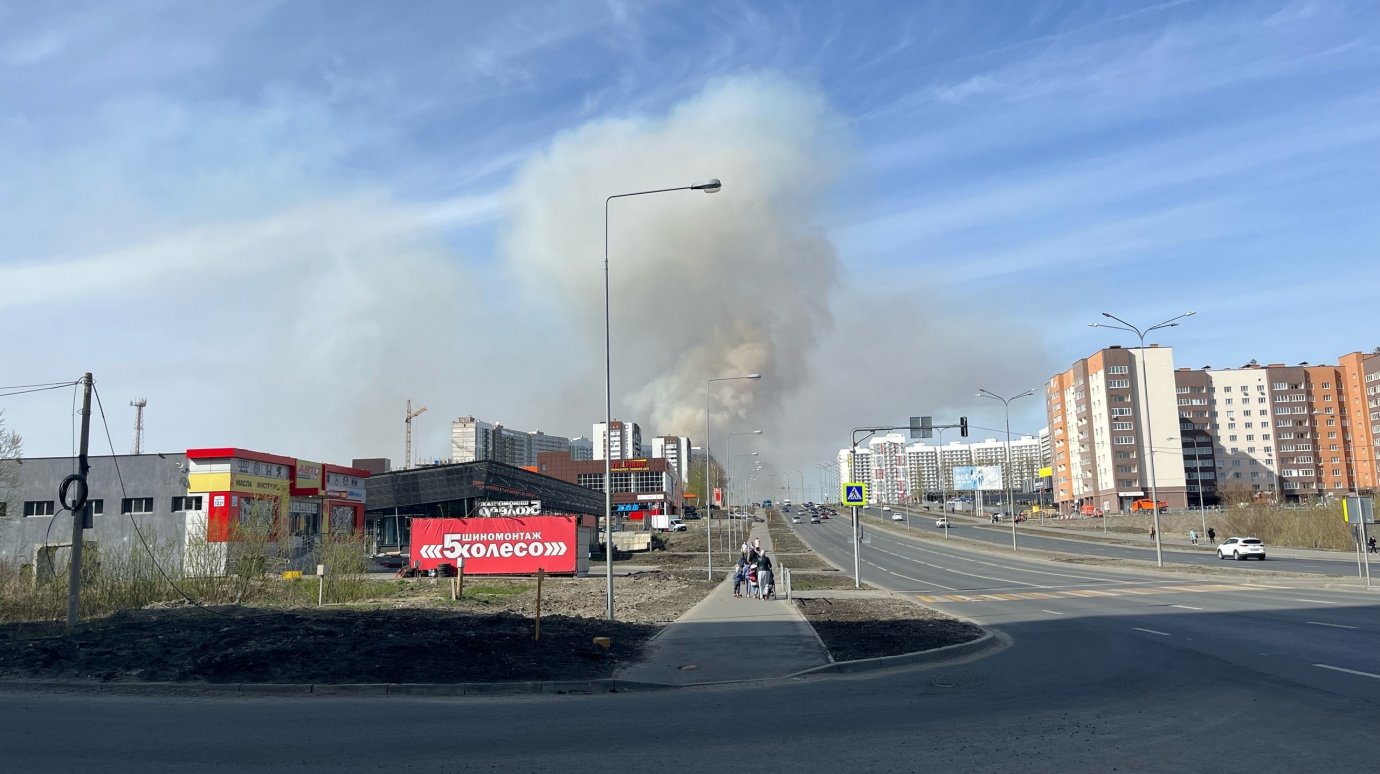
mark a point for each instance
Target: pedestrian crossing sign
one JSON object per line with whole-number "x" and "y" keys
{"x": 854, "y": 493}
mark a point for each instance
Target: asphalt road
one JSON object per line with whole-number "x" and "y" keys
{"x": 1000, "y": 535}
{"x": 1104, "y": 672}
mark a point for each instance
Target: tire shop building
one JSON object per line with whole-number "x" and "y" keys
{"x": 463, "y": 490}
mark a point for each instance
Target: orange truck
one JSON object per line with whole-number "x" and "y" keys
{"x": 1144, "y": 505}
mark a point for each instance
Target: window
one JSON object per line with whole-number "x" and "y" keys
{"x": 1250, "y": 438}
{"x": 1280, "y": 386}
{"x": 1125, "y": 455}
{"x": 1119, "y": 384}
{"x": 1231, "y": 438}
{"x": 1118, "y": 369}
{"x": 1227, "y": 388}
{"x": 136, "y": 505}
{"x": 1122, "y": 426}
{"x": 1332, "y": 434}
{"x": 38, "y": 507}
{"x": 186, "y": 503}
{"x": 1121, "y": 412}
{"x": 1265, "y": 437}
{"x": 1124, "y": 439}
{"x": 1231, "y": 425}
{"x": 1125, "y": 469}
{"x": 1228, "y": 401}
{"x": 95, "y": 508}
{"x": 593, "y": 481}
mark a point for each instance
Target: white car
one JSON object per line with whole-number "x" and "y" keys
{"x": 678, "y": 526}
{"x": 897, "y": 517}
{"x": 795, "y": 519}
{"x": 886, "y": 507}
{"x": 944, "y": 523}
{"x": 1241, "y": 549}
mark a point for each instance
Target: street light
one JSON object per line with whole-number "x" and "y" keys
{"x": 709, "y": 518}
{"x": 734, "y": 489}
{"x": 709, "y": 186}
{"x": 1144, "y": 390}
{"x": 1010, "y": 498}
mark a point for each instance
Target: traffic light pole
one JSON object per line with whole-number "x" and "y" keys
{"x": 916, "y": 426}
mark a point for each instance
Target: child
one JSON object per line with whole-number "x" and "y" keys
{"x": 738, "y": 577}
{"x": 752, "y": 581}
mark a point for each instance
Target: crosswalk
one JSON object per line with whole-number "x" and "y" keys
{"x": 1117, "y": 591}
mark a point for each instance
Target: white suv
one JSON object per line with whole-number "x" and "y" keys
{"x": 1242, "y": 549}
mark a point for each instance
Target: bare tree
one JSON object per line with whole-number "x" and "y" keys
{"x": 11, "y": 447}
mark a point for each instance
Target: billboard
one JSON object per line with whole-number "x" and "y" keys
{"x": 497, "y": 545}
{"x": 979, "y": 477}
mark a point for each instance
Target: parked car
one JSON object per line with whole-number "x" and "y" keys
{"x": 1241, "y": 549}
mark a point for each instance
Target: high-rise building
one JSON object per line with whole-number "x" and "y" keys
{"x": 474, "y": 439}
{"x": 581, "y": 448}
{"x": 1360, "y": 390}
{"x": 626, "y": 440}
{"x": 675, "y": 449}
{"x": 1107, "y": 415}
{"x": 930, "y": 468}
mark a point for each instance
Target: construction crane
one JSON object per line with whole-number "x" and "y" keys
{"x": 407, "y": 464}
{"x": 139, "y": 404}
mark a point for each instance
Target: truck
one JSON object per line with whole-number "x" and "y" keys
{"x": 1144, "y": 505}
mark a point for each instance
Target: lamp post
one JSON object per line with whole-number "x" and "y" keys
{"x": 1010, "y": 498}
{"x": 708, "y": 493}
{"x": 709, "y": 186}
{"x": 1144, "y": 390}
{"x": 733, "y": 487}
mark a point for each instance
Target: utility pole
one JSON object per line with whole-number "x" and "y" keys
{"x": 78, "y": 505}
{"x": 407, "y": 449}
{"x": 139, "y": 404}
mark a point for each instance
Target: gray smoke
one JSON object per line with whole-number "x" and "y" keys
{"x": 702, "y": 285}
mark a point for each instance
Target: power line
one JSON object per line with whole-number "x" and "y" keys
{"x": 20, "y": 389}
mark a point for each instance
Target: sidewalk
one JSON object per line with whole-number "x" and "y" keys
{"x": 730, "y": 638}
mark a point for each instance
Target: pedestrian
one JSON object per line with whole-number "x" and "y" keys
{"x": 743, "y": 552}
{"x": 1370, "y": 544}
{"x": 757, "y": 544}
{"x": 765, "y": 585}
{"x": 1212, "y": 535}
{"x": 738, "y": 573}
{"x": 1152, "y": 533}
{"x": 1193, "y": 537}
{"x": 752, "y": 580}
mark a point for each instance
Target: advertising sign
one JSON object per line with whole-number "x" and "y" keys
{"x": 498, "y": 545}
{"x": 979, "y": 477}
{"x": 718, "y": 496}
{"x": 509, "y": 508}
{"x": 307, "y": 477}
{"x": 637, "y": 464}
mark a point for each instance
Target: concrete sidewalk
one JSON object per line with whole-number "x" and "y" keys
{"x": 731, "y": 638}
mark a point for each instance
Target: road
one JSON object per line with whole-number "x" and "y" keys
{"x": 1000, "y": 535}
{"x": 1104, "y": 672}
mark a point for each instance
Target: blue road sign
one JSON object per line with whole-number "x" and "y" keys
{"x": 855, "y": 493}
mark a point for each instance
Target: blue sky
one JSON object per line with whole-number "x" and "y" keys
{"x": 277, "y": 221}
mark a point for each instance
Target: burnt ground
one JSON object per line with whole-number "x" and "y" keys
{"x": 410, "y": 630}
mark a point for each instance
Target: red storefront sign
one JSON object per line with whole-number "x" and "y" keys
{"x": 497, "y": 546}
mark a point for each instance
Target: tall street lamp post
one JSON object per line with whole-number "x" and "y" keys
{"x": 733, "y": 487}
{"x": 708, "y": 493}
{"x": 1007, "y": 474}
{"x": 1145, "y": 399}
{"x": 709, "y": 186}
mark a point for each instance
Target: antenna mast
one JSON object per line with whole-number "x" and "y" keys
{"x": 139, "y": 405}
{"x": 407, "y": 461}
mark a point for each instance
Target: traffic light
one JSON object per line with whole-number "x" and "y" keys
{"x": 963, "y": 426}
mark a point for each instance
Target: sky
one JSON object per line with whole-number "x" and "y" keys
{"x": 278, "y": 221}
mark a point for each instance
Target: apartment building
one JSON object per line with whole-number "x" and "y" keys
{"x": 675, "y": 449}
{"x": 473, "y": 439}
{"x": 1102, "y": 421}
{"x": 856, "y": 466}
{"x": 1360, "y": 390}
{"x": 624, "y": 442}
{"x": 930, "y": 467}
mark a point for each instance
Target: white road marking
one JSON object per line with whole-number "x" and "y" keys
{"x": 1316, "y": 601}
{"x": 1052, "y": 612}
{"x": 1152, "y": 631}
{"x": 1335, "y": 626}
{"x": 1186, "y": 607}
{"x": 1348, "y": 671}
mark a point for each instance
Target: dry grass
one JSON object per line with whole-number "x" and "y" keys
{"x": 1311, "y": 527}
{"x": 144, "y": 578}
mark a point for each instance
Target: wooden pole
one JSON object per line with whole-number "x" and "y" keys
{"x": 541, "y": 573}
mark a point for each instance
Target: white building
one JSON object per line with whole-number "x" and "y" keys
{"x": 625, "y": 440}
{"x": 675, "y": 449}
{"x": 899, "y": 473}
{"x": 473, "y": 439}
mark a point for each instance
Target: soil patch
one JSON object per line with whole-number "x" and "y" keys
{"x": 411, "y": 632}
{"x": 869, "y": 627}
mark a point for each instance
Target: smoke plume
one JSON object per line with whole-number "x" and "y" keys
{"x": 701, "y": 285}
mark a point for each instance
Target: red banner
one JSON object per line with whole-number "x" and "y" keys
{"x": 497, "y": 546}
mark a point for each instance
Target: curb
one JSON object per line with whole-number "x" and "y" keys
{"x": 515, "y": 688}
{"x": 988, "y": 641}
